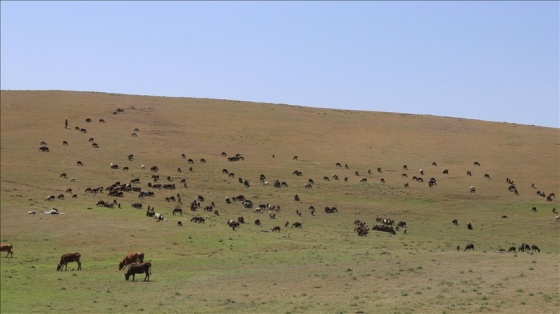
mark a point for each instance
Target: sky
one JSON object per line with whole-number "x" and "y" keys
{"x": 484, "y": 60}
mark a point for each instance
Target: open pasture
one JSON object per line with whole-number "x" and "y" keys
{"x": 322, "y": 267}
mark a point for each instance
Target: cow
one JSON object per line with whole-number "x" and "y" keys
{"x": 44, "y": 149}
{"x": 277, "y": 229}
{"x": 68, "y": 258}
{"x": 139, "y": 268}
{"x": 296, "y": 225}
{"x": 131, "y": 258}
{"x": 257, "y": 222}
{"x": 198, "y": 219}
{"x": 512, "y": 249}
{"x": 557, "y": 218}
{"x": 472, "y": 189}
{"x": 233, "y": 224}
{"x": 455, "y": 222}
{"x": 469, "y": 226}
{"x": 535, "y": 248}
{"x": 7, "y": 247}
{"x": 158, "y": 216}
{"x": 178, "y": 210}
{"x": 469, "y": 247}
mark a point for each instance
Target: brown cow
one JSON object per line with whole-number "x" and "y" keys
{"x": 7, "y": 247}
{"x": 130, "y": 258}
{"x": 68, "y": 258}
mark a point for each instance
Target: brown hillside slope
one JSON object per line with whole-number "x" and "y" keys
{"x": 324, "y": 266}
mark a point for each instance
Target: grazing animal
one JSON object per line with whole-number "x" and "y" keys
{"x": 296, "y": 225}
{"x": 469, "y": 246}
{"x": 198, "y": 219}
{"x": 179, "y": 223}
{"x": 512, "y": 249}
{"x": 131, "y": 258}
{"x": 472, "y": 189}
{"x": 486, "y": 176}
{"x": 68, "y": 258}
{"x": 535, "y": 248}
{"x": 476, "y": 163}
{"x": 557, "y": 218}
{"x": 178, "y": 210}
{"x": 5, "y": 247}
{"x": 139, "y": 268}
{"x": 257, "y": 222}
{"x": 233, "y": 224}
{"x": 296, "y": 198}
{"x": 276, "y": 229}
{"x": 44, "y": 149}
{"x": 469, "y": 226}
{"x": 158, "y": 216}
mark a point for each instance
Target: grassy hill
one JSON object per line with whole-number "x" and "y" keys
{"x": 324, "y": 267}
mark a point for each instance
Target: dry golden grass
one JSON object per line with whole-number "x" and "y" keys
{"x": 323, "y": 267}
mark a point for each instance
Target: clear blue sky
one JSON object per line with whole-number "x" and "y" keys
{"x": 494, "y": 61}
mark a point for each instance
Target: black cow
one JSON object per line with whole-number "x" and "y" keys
{"x": 469, "y": 246}
{"x": 139, "y": 268}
